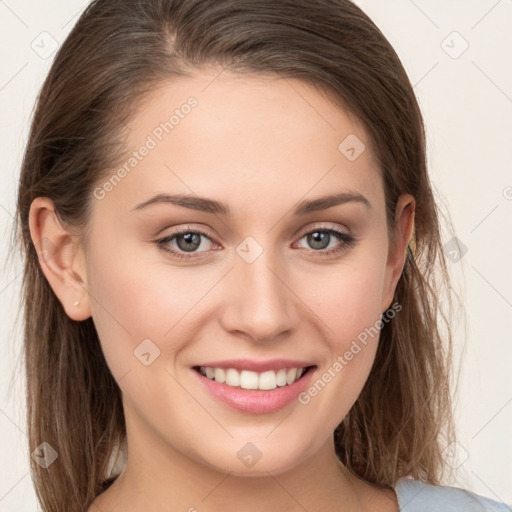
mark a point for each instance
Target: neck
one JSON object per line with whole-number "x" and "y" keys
{"x": 163, "y": 480}
{"x": 160, "y": 476}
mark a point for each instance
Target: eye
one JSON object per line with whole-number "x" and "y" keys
{"x": 185, "y": 242}
{"x": 320, "y": 239}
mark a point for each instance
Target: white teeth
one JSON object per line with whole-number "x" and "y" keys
{"x": 232, "y": 377}
{"x": 281, "y": 377}
{"x": 291, "y": 374}
{"x": 247, "y": 379}
{"x": 267, "y": 380}
{"x": 220, "y": 375}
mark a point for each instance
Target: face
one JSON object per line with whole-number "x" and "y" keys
{"x": 262, "y": 278}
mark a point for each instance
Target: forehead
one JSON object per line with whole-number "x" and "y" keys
{"x": 242, "y": 138}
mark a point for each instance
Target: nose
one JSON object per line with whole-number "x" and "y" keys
{"x": 259, "y": 302}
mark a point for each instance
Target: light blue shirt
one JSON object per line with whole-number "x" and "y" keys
{"x": 417, "y": 496}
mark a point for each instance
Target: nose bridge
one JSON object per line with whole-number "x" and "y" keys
{"x": 261, "y": 303}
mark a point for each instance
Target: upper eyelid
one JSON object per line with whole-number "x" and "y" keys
{"x": 300, "y": 234}
{"x": 346, "y": 237}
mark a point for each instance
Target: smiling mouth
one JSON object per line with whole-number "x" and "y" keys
{"x": 249, "y": 380}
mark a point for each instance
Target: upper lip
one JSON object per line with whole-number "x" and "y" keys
{"x": 257, "y": 366}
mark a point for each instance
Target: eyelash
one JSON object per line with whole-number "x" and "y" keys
{"x": 349, "y": 241}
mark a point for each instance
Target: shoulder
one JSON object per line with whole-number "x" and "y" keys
{"x": 417, "y": 496}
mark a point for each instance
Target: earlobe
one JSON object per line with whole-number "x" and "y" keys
{"x": 397, "y": 254}
{"x": 60, "y": 258}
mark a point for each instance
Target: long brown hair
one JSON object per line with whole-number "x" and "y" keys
{"x": 118, "y": 51}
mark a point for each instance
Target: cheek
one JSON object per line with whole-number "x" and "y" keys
{"x": 349, "y": 307}
{"x": 349, "y": 298}
{"x": 135, "y": 298}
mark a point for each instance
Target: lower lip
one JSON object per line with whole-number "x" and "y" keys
{"x": 256, "y": 401}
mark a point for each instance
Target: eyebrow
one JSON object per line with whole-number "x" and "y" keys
{"x": 206, "y": 205}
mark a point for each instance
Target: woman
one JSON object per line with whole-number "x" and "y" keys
{"x": 231, "y": 246}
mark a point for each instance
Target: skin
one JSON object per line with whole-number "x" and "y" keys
{"x": 259, "y": 146}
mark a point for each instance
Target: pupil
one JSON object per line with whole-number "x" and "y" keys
{"x": 316, "y": 240}
{"x": 189, "y": 239}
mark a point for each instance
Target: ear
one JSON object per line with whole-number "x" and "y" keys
{"x": 404, "y": 225}
{"x": 61, "y": 258}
